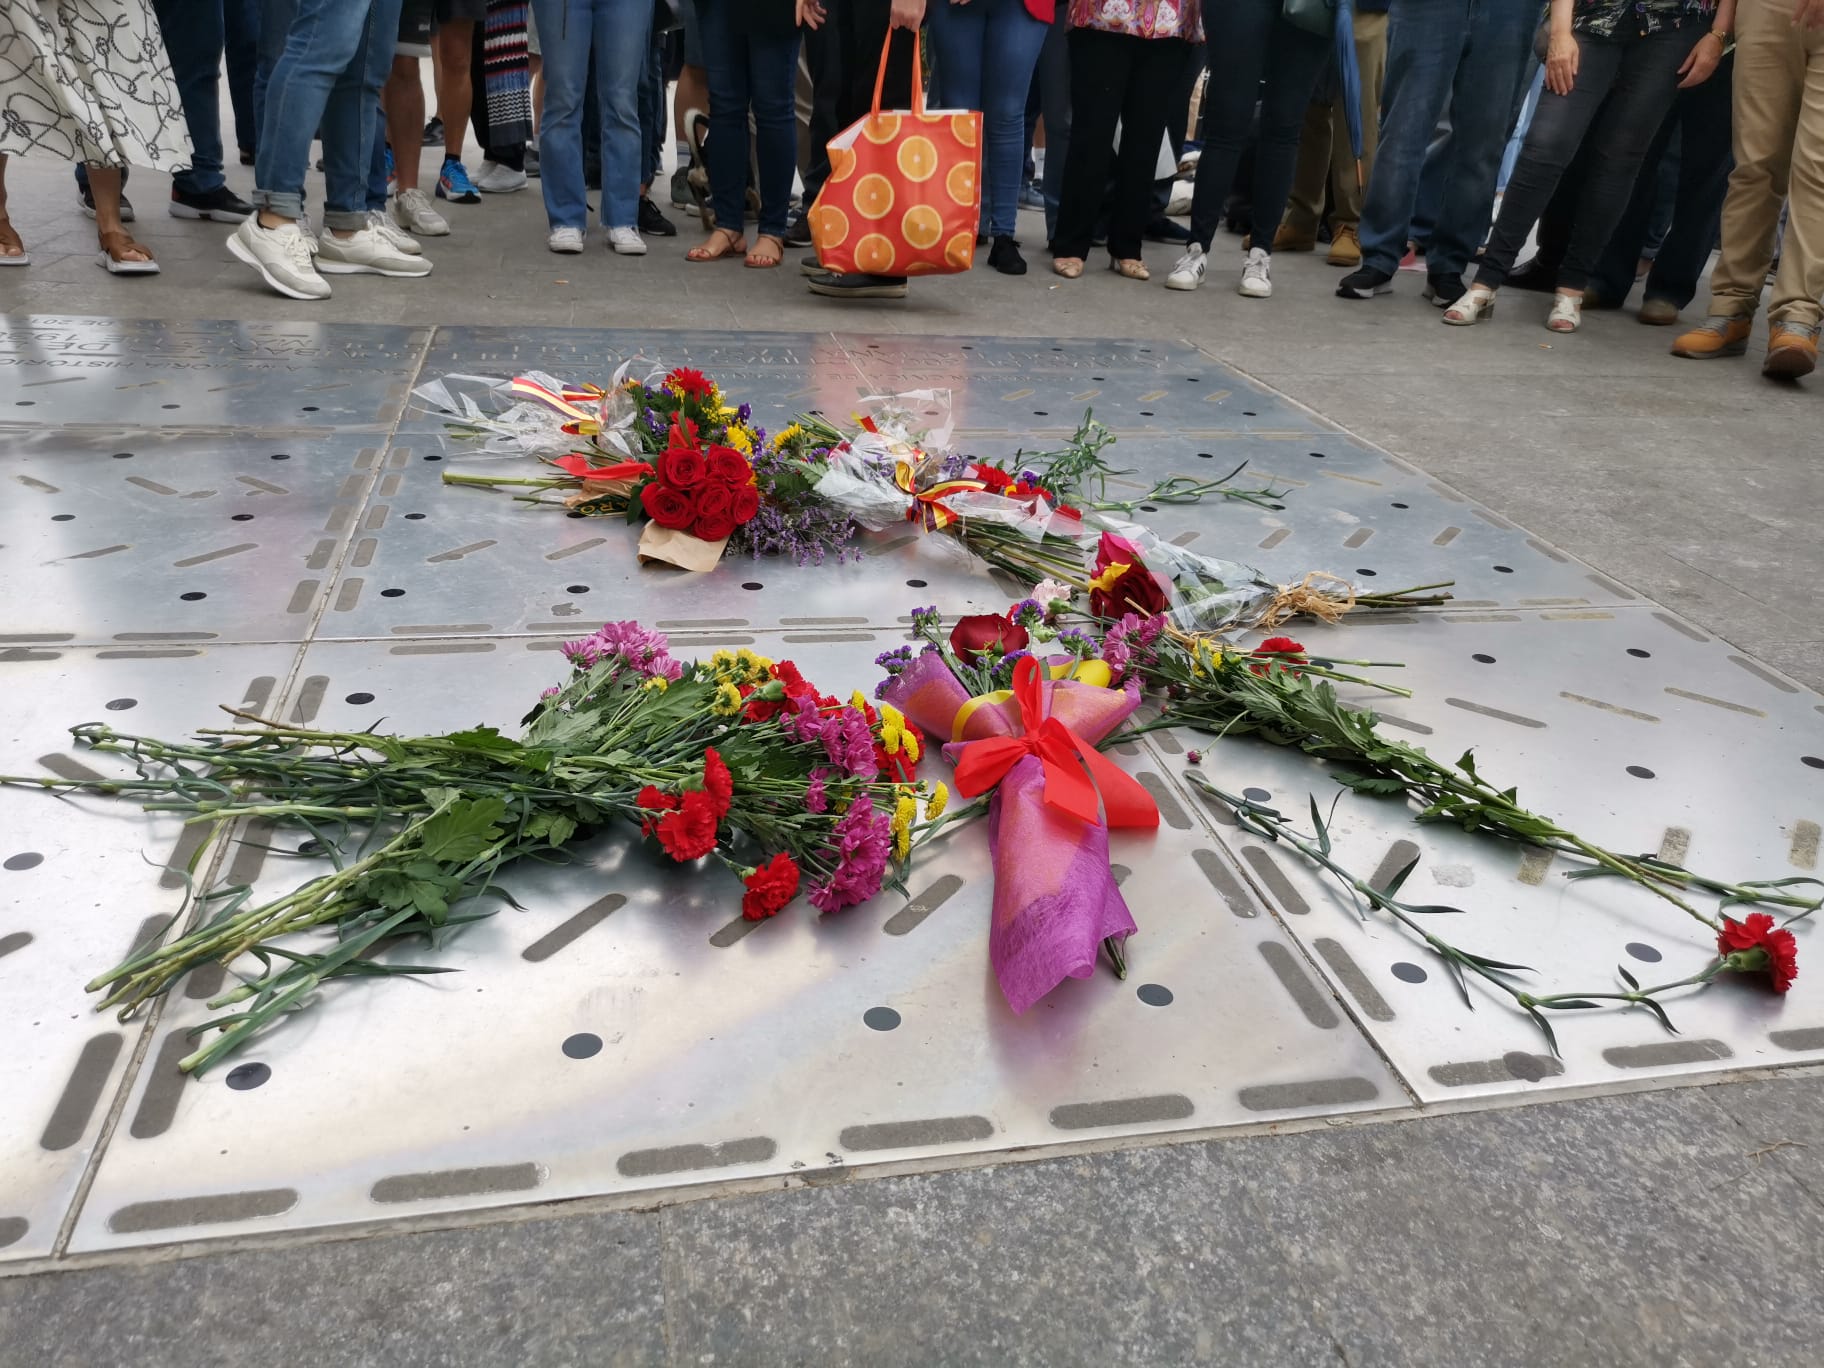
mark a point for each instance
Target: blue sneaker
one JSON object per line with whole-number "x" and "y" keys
{"x": 454, "y": 184}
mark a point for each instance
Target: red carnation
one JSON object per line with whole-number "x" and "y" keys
{"x": 747, "y": 504}
{"x": 655, "y": 801}
{"x": 718, "y": 783}
{"x": 729, "y": 466}
{"x": 769, "y": 888}
{"x": 981, "y": 634}
{"x": 692, "y": 384}
{"x": 690, "y": 832}
{"x": 666, "y": 506}
{"x": 1122, "y": 584}
{"x": 715, "y": 527}
{"x": 1756, "y": 946}
{"x": 683, "y": 467}
{"x": 995, "y": 479}
{"x": 1282, "y": 651}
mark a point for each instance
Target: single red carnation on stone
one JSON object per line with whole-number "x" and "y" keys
{"x": 1278, "y": 650}
{"x": 718, "y": 783}
{"x": 666, "y": 506}
{"x": 690, "y": 832}
{"x": 1757, "y": 946}
{"x": 770, "y": 888}
{"x": 980, "y": 634}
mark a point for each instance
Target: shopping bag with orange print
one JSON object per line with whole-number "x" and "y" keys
{"x": 903, "y": 196}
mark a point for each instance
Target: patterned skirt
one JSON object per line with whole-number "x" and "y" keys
{"x": 88, "y": 80}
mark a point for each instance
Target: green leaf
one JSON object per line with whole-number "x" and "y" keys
{"x": 481, "y": 739}
{"x": 1627, "y": 978}
{"x": 463, "y": 831}
{"x": 1384, "y": 785}
{"x": 1400, "y": 875}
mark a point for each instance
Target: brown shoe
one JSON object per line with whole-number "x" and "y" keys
{"x": 1286, "y": 240}
{"x": 1792, "y": 351}
{"x": 1658, "y": 313}
{"x": 1345, "y": 249}
{"x": 1715, "y": 336}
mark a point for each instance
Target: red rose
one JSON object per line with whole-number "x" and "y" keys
{"x": 1122, "y": 583}
{"x": 683, "y": 467}
{"x": 980, "y": 634}
{"x": 690, "y": 832}
{"x": 718, "y": 783}
{"x": 711, "y": 529}
{"x": 769, "y": 888}
{"x": 714, "y": 501}
{"x": 747, "y": 504}
{"x": 666, "y": 506}
{"x": 1755, "y": 946}
{"x": 729, "y": 466}
{"x": 692, "y": 384}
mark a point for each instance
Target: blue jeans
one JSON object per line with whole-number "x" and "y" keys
{"x": 618, "y": 32}
{"x": 379, "y": 67}
{"x": 749, "y": 70}
{"x": 652, "y": 112}
{"x": 1054, "y": 108}
{"x": 985, "y": 53}
{"x": 193, "y": 36}
{"x": 323, "y": 77}
{"x": 241, "y": 41}
{"x": 1467, "y": 56}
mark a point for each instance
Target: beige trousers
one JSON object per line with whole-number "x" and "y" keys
{"x": 1779, "y": 151}
{"x": 1324, "y": 151}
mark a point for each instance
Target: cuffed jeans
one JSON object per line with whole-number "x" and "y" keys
{"x": 1250, "y": 40}
{"x": 1779, "y": 150}
{"x": 617, "y": 32}
{"x": 322, "y": 78}
{"x": 193, "y": 34}
{"x": 1623, "y": 89}
{"x": 758, "y": 72}
{"x": 985, "y": 53}
{"x": 1466, "y": 56}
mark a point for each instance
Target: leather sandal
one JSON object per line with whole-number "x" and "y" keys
{"x": 1131, "y": 267}
{"x": 764, "y": 259}
{"x": 113, "y": 258}
{"x": 1477, "y": 303}
{"x": 1567, "y": 313}
{"x": 721, "y": 244}
{"x": 14, "y": 253}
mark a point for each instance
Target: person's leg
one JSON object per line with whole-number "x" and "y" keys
{"x": 1101, "y": 64}
{"x": 1348, "y": 179}
{"x": 725, "y": 57}
{"x": 1055, "y": 106}
{"x": 1424, "y": 42}
{"x": 1238, "y": 32}
{"x": 318, "y": 39}
{"x": 771, "y": 64}
{"x": 957, "y": 34}
{"x": 453, "y": 45}
{"x": 822, "y": 62}
{"x": 1011, "y": 40}
{"x": 1319, "y": 153}
{"x": 193, "y": 34}
{"x": 1295, "y": 60}
{"x": 652, "y": 114}
{"x": 622, "y": 30}
{"x": 560, "y": 134}
{"x": 351, "y": 119}
{"x": 403, "y": 98}
{"x": 1701, "y": 123}
{"x": 1485, "y": 95}
{"x": 240, "y": 51}
{"x": 1144, "y": 110}
{"x": 865, "y": 28}
{"x": 1800, "y": 280}
{"x": 1637, "y": 100}
{"x": 104, "y": 185}
{"x": 1612, "y": 279}
{"x": 1557, "y": 132}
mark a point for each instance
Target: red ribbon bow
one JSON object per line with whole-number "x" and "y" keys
{"x": 982, "y": 764}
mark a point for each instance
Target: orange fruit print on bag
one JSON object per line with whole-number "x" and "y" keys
{"x": 903, "y": 196}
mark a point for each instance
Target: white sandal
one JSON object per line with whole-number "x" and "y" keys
{"x": 1477, "y": 303}
{"x": 1566, "y": 315}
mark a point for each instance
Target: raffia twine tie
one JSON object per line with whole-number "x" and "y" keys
{"x": 1306, "y": 597}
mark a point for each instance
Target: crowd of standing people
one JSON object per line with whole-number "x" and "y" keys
{"x": 1441, "y": 135}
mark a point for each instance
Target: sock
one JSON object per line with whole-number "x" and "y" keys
{"x": 683, "y": 151}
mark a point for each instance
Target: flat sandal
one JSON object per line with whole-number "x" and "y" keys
{"x": 1131, "y": 267}
{"x": 9, "y": 237}
{"x": 115, "y": 244}
{"x": 1068, "y": 267}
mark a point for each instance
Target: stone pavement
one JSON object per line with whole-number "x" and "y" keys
{"x": 1679, "y": 1227}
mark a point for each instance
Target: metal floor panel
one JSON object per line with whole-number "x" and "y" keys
{"x": 625, "y": 1033}
{"x": 82, "y": 882}
{"x": 86, "y": 371}
{"x": 1635, "y": 731}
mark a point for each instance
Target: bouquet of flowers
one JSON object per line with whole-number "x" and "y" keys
{"x": 736, "y": 760}
{"x": 1026, "y": 729}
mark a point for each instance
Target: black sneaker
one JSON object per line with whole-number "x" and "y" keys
{"x": 1444, "y": 290}
{"x": 433, "y": 132}
{"x": 810, "y": 266}
{"x": 1163, "y": 229}
{"x": 652, "y": 222}
{"x": 1365, "y": 283}
{"x": 798, "y": 234}
{"x": 1535, "y": 276}
{"x": 246, "y": 156}
{"x": 680, "y": 189}
{"x": 834, "y": 286}
{"x": 88, "y": 204}
{"x": 531, "y": 161}
{"x": 1005, "y": 257}
{"x": 220, "y": 205}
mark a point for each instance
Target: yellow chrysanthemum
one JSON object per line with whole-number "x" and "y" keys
{"x": 752, "y": 667}
{"x": 936, "y": 803}
{"x": 909, "y": 742}
{"x": 859, "y": 701}
{"x": 893, "y": 731}
{"x": 905, "y": 812}
{"x": 722, "y": 663}
{"x": 786, "y": 436}
{"x": 727, "y": 701}
{"x": 741, "y": 440}
{"x": 656, "y": 683}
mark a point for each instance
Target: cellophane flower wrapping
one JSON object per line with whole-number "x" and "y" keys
{"x": 1055, "y": 898}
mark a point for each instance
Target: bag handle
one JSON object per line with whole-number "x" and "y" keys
{"x": 918, "y": 86}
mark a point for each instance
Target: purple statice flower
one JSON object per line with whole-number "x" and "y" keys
{"x": 1078, "y": 642}
{"x": 863, "y": 838}
{"x": 926, "y": 619}
{"x": 1030, "y": 477}
{"x": 1028, "y": 613}
{"x": 743, "y": 413}
{"x": 849, "y": 743}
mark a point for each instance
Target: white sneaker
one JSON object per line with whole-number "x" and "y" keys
{"x": 367, "y": 253}
{"x": 495, "y": 179}
{"x": 282, "y": 257}
{"x": 569, "y": 241}
{"x": 413, "y": 211}
{"x": 1257, "y": 275}
{"x": 310, "y": 233}
{"x": 1188, "y": 273}
{"x": 627, "y": 241}
{"x": 381, "y": 222}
